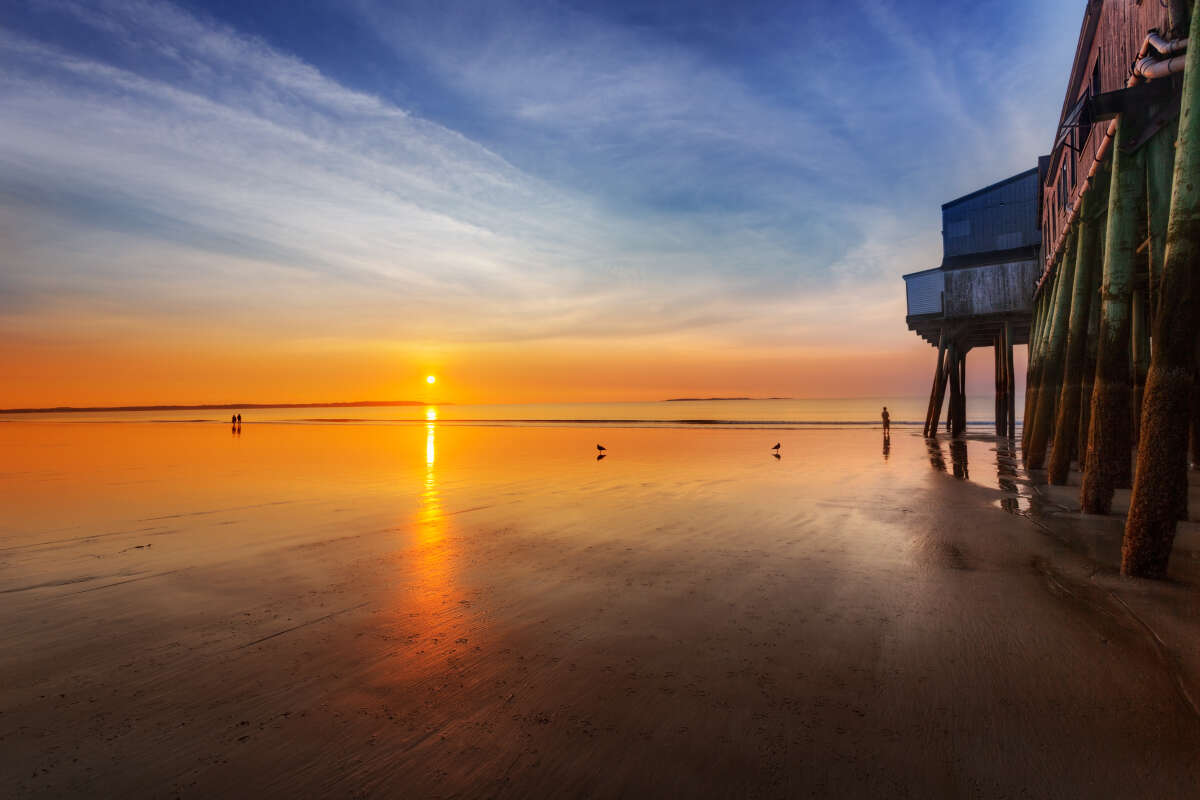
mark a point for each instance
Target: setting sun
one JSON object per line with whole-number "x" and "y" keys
{"x": 430, "y": 379}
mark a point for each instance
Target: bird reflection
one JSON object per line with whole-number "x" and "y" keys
{"x": 776, "y": 456}
{"x": 601, "y": 457}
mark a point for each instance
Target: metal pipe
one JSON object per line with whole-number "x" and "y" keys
{"x": 1151, "y": 68}
{"x": 1164, "y": 47}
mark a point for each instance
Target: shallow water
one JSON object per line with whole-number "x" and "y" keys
{"x": 440, "y": 609}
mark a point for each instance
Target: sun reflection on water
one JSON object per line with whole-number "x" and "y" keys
{"x": 430, "y": 517}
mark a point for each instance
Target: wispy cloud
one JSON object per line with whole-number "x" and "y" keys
{"x": 549, "y": 172}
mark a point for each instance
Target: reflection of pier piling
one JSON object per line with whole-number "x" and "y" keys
{"x": 980, "y": 296}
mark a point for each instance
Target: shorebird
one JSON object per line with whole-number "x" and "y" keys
{"x": 601, "y": 448}
{"x": 777, "y": 446}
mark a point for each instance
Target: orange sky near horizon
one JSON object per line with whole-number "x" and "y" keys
{"x": 101, "y": 374}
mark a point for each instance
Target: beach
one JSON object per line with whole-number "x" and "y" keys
{"x": 473, "y": 610}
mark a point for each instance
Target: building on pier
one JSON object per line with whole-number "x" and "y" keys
{"x": 981, "y": 295}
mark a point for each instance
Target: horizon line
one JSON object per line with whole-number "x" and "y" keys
{"x": 398, "y": 403}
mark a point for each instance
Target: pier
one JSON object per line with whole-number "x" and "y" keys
{"x": 981, "y": 295}
{"x": 1112, "y": 351}
{"x": 1089, "y": 260}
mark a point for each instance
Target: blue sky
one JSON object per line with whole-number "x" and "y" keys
{"x": 441, "y": 176}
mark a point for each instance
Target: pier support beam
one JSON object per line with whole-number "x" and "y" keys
{"x": 960, "y": 424}
{"x": 1089, "y": 355}
{"x": 1066, "y": 442}
{"x": 1033, "y": 371}
{"x": 1139, "y": 351}
{"x": 952, "y": 377}
{"x": 1160, "y": 164}
{"x": 1160, "y": 490}
{"x": 935, "y": 400}
{"x": 1109, "y": 443}
{"x": 1052, "y": 361}
{"x": 999, "y": 410}
{"x": 1010, "y": 369}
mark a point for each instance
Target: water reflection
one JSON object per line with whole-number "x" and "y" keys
{"x": 431, "y": 555}
{"x": 958, "y": 456}
{"x": 1016, "y": 495}
{"x": 1006, "y": 476}
{"x": 887, "y": 445}
{"x": 937, "y": 459}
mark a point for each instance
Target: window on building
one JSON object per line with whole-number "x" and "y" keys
{"x": 1076, "y": 143}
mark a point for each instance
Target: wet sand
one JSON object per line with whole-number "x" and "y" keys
{"x": 453, "y": 611}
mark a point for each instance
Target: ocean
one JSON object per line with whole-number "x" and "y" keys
{"x": 856, "y": 411}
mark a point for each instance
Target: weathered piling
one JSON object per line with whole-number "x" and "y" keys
{"x": 1052, "y": 361}
{"x": 1087, "y": 273}
{"x": 961, "y": 425}
{"x": 1139, "y": 351}
{"x": 1010, "y": 369}
{"x": 1089, "y": 353}
{"x": 941, "y": 393}
{"x": 1033, "y": 371}
{"x": 1160, "y": 490}
{"x": 1195, "y": 426}
{"x": 1160, "y": 164}
{"x": 952, "y": 373}
{"x": 934, "y": 400}
{"x": 999, "y": 415}
{"x": 1109, "y": 443}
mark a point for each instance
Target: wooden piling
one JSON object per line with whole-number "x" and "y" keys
{"x": 1052, "y": 360}
{"x": 1109, "y": 445}
{"x": 1066, "y": 442}
{"x": 960, "y": 425}
{"x": 1089, "y": 354}
{"x": 1195, "y": 426}
{"x": 1160, "y": 489}
{"x": 937, "y": 379}
{"x": 1034, "y": 369}
{"x": 1160, "y": 163}
{"x": 1139, "y": 352}
{"x": 998, "y": 414}
{"x": 1010, "y": 370}
{"x": 941, "y": 393}
{"x": 952, "y": 370}
{"x": 1043, "y": 336}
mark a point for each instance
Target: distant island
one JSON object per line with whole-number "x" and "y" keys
{"x": 219, "y": 406}
{"x": 707, "y": 399}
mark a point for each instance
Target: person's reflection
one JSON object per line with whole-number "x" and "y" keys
{"x": 958, "y": 455}
{"x": 937, "y": 459}
{"x": 887, "y": 445}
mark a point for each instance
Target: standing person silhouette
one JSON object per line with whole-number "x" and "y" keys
{"x": 887, "y": 420}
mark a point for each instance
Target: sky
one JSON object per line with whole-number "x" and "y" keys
{"x": 206, "y": 202}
